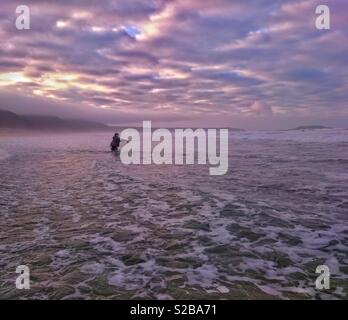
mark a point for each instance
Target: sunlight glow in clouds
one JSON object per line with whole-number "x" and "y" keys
{"x": 152, "y": 28}
{"x": 62, "y": 24}
{"x": 11, "y": 78}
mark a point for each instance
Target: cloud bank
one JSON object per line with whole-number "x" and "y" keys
{"x": 253, "y": 64}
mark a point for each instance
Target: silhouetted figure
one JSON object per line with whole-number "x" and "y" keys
{"x": 115, "y": 144}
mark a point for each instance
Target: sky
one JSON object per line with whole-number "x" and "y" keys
{"x": 252, "y": 64}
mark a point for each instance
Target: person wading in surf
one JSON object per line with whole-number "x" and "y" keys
{"x": 115, "y": 144}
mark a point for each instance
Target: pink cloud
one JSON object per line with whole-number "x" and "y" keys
{"x": 260, "y": 108}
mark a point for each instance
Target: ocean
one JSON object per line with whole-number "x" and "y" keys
{"x": 89, "y": 227}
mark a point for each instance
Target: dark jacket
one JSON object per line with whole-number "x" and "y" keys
{"x": 116, "y": 141}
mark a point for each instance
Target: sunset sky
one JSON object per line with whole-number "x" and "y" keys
{"x": 254, "y": 64}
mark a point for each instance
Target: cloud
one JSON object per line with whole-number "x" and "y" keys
{"x": 259, "y": 108}
{"x": 198, "y": 60}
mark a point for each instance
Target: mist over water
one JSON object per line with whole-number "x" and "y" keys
{"x": 90, "y": 227}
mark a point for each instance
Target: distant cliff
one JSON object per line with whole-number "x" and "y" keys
{"x": 10, "y": 120}
{"x": 309, "y": 128}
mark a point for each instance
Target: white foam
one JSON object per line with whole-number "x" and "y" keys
{"x": 204, "y": 276}
{"x": 93, "y": 268}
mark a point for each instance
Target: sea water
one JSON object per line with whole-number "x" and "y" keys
{"x": 88, "y": 226}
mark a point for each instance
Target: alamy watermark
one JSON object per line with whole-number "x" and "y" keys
{"x": 323, "y": 281}
{"x": 176, "y": 147}
{"x": 23, "y": 17}
{"x": 23, "y": 280}
{"x": 322, "y": 21}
